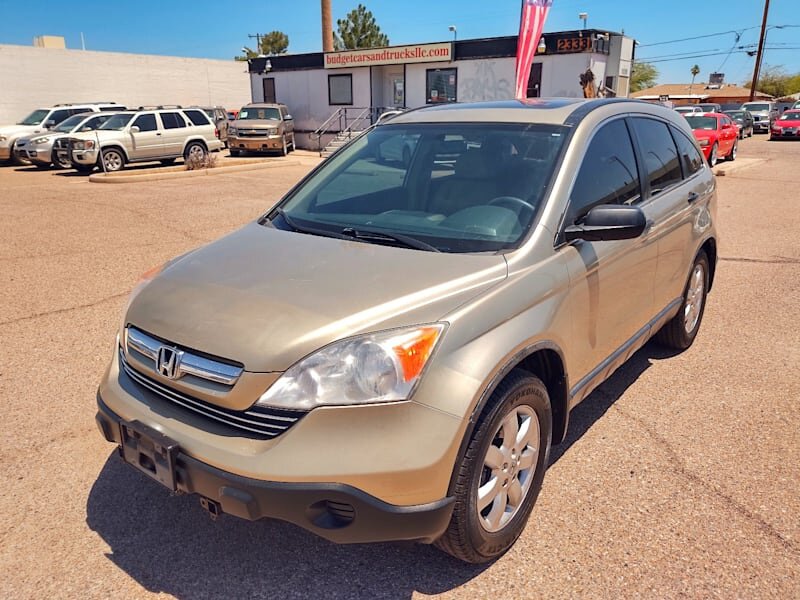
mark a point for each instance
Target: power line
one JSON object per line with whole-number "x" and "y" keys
{"x": 716, "y": 54}
{"x": 710, "y": 35}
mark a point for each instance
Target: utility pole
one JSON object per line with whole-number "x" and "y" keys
{"x": 327, "y": 26}
{"x": 257, "y": 38}
{"x": 760, "y": 51}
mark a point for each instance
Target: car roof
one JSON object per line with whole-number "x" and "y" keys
{"x": 554, "y": 111}
{"x": 263, "y": 105}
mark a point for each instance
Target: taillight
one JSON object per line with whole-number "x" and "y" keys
{"x": 216, "y": 132}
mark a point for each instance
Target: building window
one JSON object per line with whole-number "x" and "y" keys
{"x": 441, "y": 85}
{"x": 340, "y": 90}
{"x": 269, "y": 90}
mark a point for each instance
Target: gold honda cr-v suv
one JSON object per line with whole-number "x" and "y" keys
{"x": 390, "y": 352}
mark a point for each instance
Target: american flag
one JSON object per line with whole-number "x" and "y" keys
{"x": 531, "y": 23}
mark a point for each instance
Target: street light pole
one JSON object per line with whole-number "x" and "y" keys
{"x": 760, "y": 51}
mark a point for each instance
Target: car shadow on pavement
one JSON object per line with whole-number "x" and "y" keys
{"x": 596, "y": 404}
{"x": 169, "y": 544}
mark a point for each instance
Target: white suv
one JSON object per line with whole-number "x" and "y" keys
{"x": 44, "y": 119}
{"x": 161, "y": 134}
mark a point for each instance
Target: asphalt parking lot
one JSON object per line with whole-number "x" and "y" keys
{"x": 680, "y": 476}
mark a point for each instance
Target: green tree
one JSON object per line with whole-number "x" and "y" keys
{"x": 358, "y": 30}
{"x": 643, "y": 76}
{"x": 274, "y": 42}
{"x": 776, "y": 82}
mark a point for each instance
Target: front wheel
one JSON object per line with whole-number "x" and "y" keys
{"x": 500, "y": 476}
{"x": 680, "y": 331}
{"x": 112, "y": 160}
{"x": 284, "y": 147}
{"x": 712, "y": 156}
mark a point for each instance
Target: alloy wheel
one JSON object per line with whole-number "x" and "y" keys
{"x": 694, "y": 298}
{"x": 112, "y": 160}
{"x": 508, "y": 468}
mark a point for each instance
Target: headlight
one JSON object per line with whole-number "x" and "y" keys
{"x": 40, "y": 140}
{"x": 273, "y": 131}
{"x": 379, "y": 367}
{"x": 232, "y": 131}
{"x": 84, "y": 145}
{"x": 703, "y": 142}
{"x": 3, "y": 138}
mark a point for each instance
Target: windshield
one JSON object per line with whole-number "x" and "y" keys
{"x": 69, "y": 124}
{"x": 457, "y": 187}
{"x": 116, "y": 122}
{"x": 686, "y": 109}
{"x": 260, "y": 114}
{"x": 737, "y": 115}
{"x": 754, "y": 107}
{"x": 790, "y": 116}
{"x": 696, "y": 122}
{"x": 35, "y": 118}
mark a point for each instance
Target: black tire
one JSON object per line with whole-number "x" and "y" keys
{"x": 674, "y": 333}
{"x": 111, "y": 160}
{"x": 712, "y": 156}
{"x": 294, "y": 144}
{"x": 284, "y": 146}
{"x": 732, "y": 154}
{"x": 466, "y": 538}
{"x": 167, "y": 161}
{"x": 235, "y": 152}
{"x": 194, "y": 148}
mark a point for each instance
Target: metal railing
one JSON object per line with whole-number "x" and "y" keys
{"x": 347, "y": 120}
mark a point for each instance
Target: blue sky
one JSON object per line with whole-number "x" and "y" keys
{"x": 219, "y": 29}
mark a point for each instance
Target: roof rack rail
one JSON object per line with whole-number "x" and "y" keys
{"x": 159, "y": 107}
{"x": 82, "y": 103}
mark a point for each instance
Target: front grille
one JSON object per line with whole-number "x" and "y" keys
{"x": 258, "y": 422}
{"x": 253, "y": 132}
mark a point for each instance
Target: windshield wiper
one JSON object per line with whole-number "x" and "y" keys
{"x": 380, "y": 236}
{"x": 291, "y": 222}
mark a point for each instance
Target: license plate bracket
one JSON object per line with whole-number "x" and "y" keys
{"x": 149, "y": 451}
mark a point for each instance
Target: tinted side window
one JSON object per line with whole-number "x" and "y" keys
{"x": 94, "y": 122}
{"x": 145, "y": 122}
{"x": 691, "y": 159}
{"x": 608, "y": 174}
{"x": 661, "y": 165}
{"x": 59, "y": 115}
{"x": 172, "y": 120}
{"x": 198, "y": 117}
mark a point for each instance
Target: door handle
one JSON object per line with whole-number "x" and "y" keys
{"x": 158, "y": 133}
{"x": 692, "y": 197}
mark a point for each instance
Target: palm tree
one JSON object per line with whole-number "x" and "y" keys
{"x": 695, "y": 71}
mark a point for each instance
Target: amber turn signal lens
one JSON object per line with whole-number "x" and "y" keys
{"x": 412, "y": 353}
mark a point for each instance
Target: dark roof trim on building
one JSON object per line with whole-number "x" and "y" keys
{"x": 496, "y": 47}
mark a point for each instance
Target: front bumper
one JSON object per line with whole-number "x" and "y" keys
{"x": 785, "y": 134}
{"x": 84, "y": 157}
{"x": 761, "y": 125}
{"x": 256, "y": 144}
{"x": 338, "y": 512}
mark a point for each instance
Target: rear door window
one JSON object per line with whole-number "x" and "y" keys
{"x": 59, "y": 115}
{"x": 691, "y": 159}
{"x": 172, "y": 120}
{"x": 662, "y": 167}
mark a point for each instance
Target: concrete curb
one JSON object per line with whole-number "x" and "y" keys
{"x": 726, "y": 168}
{"x": 116, "y": 178}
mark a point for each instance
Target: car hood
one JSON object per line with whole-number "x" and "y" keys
{"x": 267, "y": 298}
{"x": 109, "y": 134}
{"x": 788, "y": 123}
{"x": 21, "y": 129}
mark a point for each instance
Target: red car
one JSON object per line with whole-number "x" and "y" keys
{"x": 786, "y": 126}
{"x": 717, "y": 135}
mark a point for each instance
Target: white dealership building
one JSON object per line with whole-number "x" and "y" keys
{"x": 334, "y": 92}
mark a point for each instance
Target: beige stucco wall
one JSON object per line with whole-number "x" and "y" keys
{"x": 32, "y": 77}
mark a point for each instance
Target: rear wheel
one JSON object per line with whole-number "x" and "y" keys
{"x": 732, "y": 155}
{"x": 195, "y": 151}
{"x": 680, "y": 331}
{"x": 500, "y": 476}
{"x": 112, "y": 160}
{"x": 712, "y": 156}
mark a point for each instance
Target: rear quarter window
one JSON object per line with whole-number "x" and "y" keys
{"x": 197, "y": 117}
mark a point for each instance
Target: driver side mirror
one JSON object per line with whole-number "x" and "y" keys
{"x": 608, "y": 222}
{"x": 135, "y": 129}
{"x": 288, "y": 118}
{"x": 49, "y": 124}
